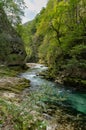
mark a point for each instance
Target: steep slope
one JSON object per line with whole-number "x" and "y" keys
{"x": 31, "y": 40}
{"x": 11, "y": 45}
{"x": 58, "y": 34}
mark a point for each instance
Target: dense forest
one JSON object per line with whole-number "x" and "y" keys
{"x": 57, "y": 38}
{"x": 12, "y": 50}
{"x": 43, "y": 66}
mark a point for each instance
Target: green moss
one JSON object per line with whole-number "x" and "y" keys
{"x": 12, "y": 71}
{"x": 7, "y": 71}
{"x": 21, "y": 85}
{"x": 9, "y": 81}
{"x": 13, "y": 84}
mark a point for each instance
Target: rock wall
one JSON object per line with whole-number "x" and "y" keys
{"x": 12, "y": 50}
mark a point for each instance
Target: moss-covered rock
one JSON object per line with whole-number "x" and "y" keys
{"x": 13, "y": 84}
{"x": 9, "y": 80}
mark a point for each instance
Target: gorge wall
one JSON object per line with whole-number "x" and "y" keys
{"x": 12, "y": 50}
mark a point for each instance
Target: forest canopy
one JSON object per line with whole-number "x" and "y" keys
{"x": 57, "y": 37}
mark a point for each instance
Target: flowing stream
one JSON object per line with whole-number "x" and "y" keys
{"x": 74, "y": 100}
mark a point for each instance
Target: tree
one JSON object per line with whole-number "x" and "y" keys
{"x": 57, "y": 36}
{"x": 13, "y": 9}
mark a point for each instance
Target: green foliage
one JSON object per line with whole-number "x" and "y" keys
{"x": 5, "y": 71}
{"x": 26, "y": 115}
{"x": 57, "y": 36}
{"x": 4, "y": 46}
{"x": 79, "y": 50}
{"x": 13, "y": 9}
{"x": 31, "y": 39}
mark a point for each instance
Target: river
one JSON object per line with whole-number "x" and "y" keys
{"x": 53, "y": 91}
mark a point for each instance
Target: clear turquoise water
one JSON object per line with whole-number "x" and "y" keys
{"x": 52, "y": 91}
{"x": 77, "y": 101}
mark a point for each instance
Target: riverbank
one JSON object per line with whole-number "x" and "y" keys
{"x": 9, "y": 81}
{"x": 49, "y": 96}
{"x": 35, "y": 107}
{"x": 63, "y": 78}
{"x": 11, "y": 87}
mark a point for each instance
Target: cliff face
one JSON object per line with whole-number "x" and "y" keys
{"x": 12, "y": 50}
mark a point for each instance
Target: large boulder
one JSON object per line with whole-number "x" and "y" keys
{"x": 12, "y": 50}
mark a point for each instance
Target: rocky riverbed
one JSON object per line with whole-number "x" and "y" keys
{"x": 24, "y": 108}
